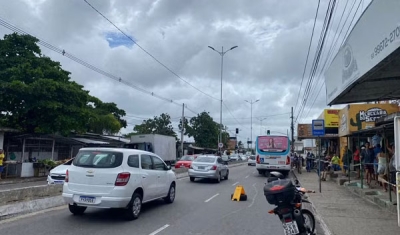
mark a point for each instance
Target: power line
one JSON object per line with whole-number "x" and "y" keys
{"x": 308, "y": 53}
{"x": 148, "y": 53}
{"x": 14, "y": 28}
{"x": 320, "y": 46}
{"x": 232, "y": 114}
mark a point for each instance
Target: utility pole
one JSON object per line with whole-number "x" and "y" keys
{"x": 251, "y": 102}
{"x": 292, "y": 129}
{"x": 183, "y": 127}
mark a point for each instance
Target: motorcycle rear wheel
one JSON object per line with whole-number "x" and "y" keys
{"x": 309, "y": 220}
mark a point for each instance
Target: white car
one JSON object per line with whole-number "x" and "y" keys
{"x": 252, "y": 160}
{"x": 234, "y": 157}
{"x": 117, "y": 178}
{"x": 57, "y": 175}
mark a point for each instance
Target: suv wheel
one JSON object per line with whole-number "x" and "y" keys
{"x": 227, "y": 175}
{"x": 219, "y": 178}
{"x": 134, "y": 207}
{"x": 76, "y": 210}
{"x": 171, "y": 194}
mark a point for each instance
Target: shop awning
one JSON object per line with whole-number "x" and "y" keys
{"x": 89, "y": 141}
{"x": 366, "y": 68}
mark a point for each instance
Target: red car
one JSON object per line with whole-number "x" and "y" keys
{"x": 185, "y": 161}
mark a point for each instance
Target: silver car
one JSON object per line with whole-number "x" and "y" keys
{"x": 208, "y": 167}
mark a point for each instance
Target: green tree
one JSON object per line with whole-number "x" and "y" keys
{"x": 240, "y": 144}
{"x": 106, "y": 118}
{"x": 158, "y": 125}
{"x": 203, "y": 129}
{"x": 36, "y": 94}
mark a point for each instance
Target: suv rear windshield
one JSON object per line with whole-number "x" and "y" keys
{"x": 98, "y": 159}
{"x": 252, "y": 157}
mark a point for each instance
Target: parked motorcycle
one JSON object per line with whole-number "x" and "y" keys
{"x": 282, "y": 193}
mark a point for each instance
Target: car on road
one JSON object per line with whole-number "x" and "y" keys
{"x": 252, "y": 160}
{"x": 208, "y": 167}
{"x": 185, "y": 161}
{"x": 234, "y": 157}
{"x": 57, "y": 174}
{"x": 117, "y": 178}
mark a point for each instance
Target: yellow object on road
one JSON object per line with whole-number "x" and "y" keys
{"x": 239, "y": 194}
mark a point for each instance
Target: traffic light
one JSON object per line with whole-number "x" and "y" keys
{"x": 268, "y": 132}
{"x": 237, "y": 130}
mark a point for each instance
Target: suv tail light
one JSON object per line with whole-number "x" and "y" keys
{"x": 287, "y": 160}
{"x": 258, "y": 159}
{"x": 213, "y": 168}
{"x": 66, "y": 177}
{"x": 122, "y": 179}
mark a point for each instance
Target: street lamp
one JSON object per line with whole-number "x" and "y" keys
{"x": 221, "y": 53}
{"x": 251, "y": 102}
{"x": 261, "y": 120}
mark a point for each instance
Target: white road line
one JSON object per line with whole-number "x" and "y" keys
{"x": 247, "y": 176}
{"x": 255, "y": 195}
{"x": 211, "y": 198}
{"x": 160, "y": 229}
{"x": 235, "y": 184}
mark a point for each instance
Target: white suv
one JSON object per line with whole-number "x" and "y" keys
{"x": 117, "y": 178}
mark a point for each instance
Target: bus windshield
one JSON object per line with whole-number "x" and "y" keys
{"x": 272, "y": 144}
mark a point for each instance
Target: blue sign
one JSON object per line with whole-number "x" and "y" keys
{"x": 318, "y": 127}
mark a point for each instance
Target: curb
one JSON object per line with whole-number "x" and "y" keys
{"x": 324, "y": 227}
{"x": 13, "y": 210}
{"x": 6, "y": 182}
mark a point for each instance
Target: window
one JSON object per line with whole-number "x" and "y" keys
{"x": 147, "y": 164}
{"x": 205, "y": 159}
{"x": 187, "y": 158}
{"x": 98, "y": 159}
{"x": 219, "y": 160}
{"x": 133, "y": 161}
{"x": 158, "y": 164}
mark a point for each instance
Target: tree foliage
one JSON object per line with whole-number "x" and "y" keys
{"x": 38, "y": 96}
{"x": 158, "y": 125}
{"x": 204, "y": 130}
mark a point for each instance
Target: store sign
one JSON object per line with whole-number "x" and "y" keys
{"x": 304, "y": 131}
{"x": 360, "y": 54}
{"x": 372, "y": 114}
{"x": 331, "y": 117}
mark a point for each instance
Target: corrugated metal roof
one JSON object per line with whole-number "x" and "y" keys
{"x": 117, "y": 138}
{"x": 89, "y": 141}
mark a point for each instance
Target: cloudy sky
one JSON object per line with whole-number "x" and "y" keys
{"x": 272, "y": 38}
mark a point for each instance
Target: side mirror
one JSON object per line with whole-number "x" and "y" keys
{"x": 167, "y": 167}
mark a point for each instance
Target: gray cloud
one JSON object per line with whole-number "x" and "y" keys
{"x": 272, "y": 36}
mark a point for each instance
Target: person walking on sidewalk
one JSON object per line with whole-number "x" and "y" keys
{"x": 356, "y": 159}
{"x": 346, "y": 160}
{"x": 1, "y": 161}
{"x": 367, "y": 157}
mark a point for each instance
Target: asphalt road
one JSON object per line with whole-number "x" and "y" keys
{"x": 22, "y": 185}
{"x": 200, "y": 207}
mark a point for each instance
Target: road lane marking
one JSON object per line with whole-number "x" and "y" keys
{"x": 160, "y": 229}
{"x": 255, "y": 195}
{"x": 211, "y": 198}
{"x": 235, "y": 184}
{"x": 247, "y": 176}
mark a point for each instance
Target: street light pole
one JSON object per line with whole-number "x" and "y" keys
{"x": 261, "y": 120}
{"x": 251, "y": 102}
{"x": 221, "y": 53}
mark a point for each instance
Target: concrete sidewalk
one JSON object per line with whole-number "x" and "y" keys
{"x": 343, "y": 212}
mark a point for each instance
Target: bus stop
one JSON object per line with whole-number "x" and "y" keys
{"x": 367, "y": 66}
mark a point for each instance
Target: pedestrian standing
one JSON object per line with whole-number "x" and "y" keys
{"x": 356, "y": 159}
{"x": 1, "y": 161}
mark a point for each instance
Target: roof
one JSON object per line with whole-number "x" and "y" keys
{"x": 116, "y": 149}
{"x": 89, "y": 141}
{"x": 8, "y": 129}
{"x": 387, "y": 129}
{"x": 117, "y": 138}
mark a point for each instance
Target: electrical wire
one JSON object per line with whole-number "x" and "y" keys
{"x": 148, "y": 53}
{"x": 43, "y": 43}
{"x": 308, "y": 53}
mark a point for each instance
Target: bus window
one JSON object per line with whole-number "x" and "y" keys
{"x": 273, "y": 144}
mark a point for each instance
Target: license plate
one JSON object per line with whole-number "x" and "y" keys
{"x": 290, "y": 228}
{"x": 87, "y": 200}
{"x": 201, "y": 167}
{"x": 58, "y": 182}
{"x": 281, "y": 162}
